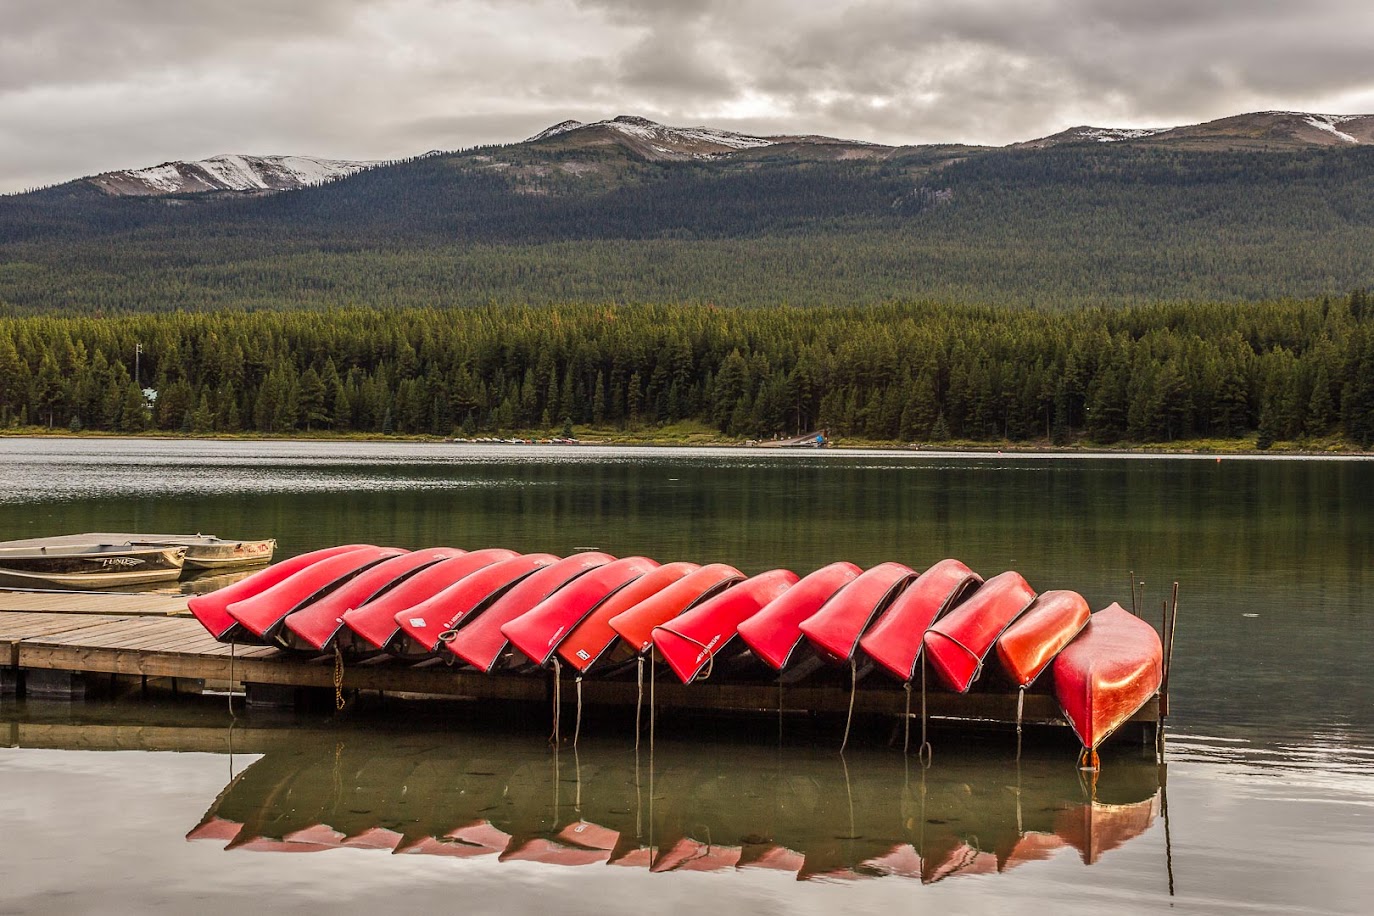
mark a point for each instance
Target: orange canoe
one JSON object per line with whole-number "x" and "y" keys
{"x": 374, "y": 623}
{"x": 538, "y": 631}
{"x": 591, "y": 640}
{"x": 481, "y": 643}
{"x": 1028, "y": 646}
{"x": 424, "y": 623}
{"x": 692, "y": 639}
{"x": 313, "y": 626}
{"x": 895, "y": 641}
{"x": 212, "y": 609}
{"x": 835, "y": 629}
{"x": 774, "y": 633}
{"x": 958, "y": 642}
{"x": 1107, "y": 673}
{"x": 262, "y": 613}
{"x": 636, "y": 625}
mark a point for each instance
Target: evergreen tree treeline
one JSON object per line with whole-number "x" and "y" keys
{"x": 895, "y": 372}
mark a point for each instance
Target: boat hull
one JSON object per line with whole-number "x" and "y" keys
{"x": 1109, "y": 671}
{"x": 1028, "y": 646}
{"x": 774, "y": 633}
{"x": 895, "y": 641}
{"x": 538, "y": 632}
{"x": 836, "y": 628}
{"x": 263, "y": 613}
{"x": 636, "y": 625}
{"x": 89, "y": 567}
{"x": 423, "y": 625}
{"x": 593, "y": 638}
{"x": 958, "y": 643}
{"x": 692, "y": 640}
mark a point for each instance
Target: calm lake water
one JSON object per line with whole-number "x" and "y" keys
{"x": 1269, "y": 784}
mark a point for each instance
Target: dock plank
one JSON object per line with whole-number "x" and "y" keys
{"x": 116, "y": 603}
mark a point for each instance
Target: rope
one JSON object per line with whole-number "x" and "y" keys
{"x": 1020, "y": 701}
{"x": 925, "y": 752}
{"x": 338, "y": 678}
{"x": 577, "y": 723}
{"x": 639, "y": 696}
{"x": 557, "y": 704}
{"x": 232, "y": 647}
{"x": 710, "y": 656}
{"x": 853, "y": 689}
{"x": 977, "y": 659}
{"x": 906, "y": 721}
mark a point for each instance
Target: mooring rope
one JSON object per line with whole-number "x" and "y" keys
{"x": 977, "y": 660}
{"x": 639, "y": 697}
{"x": 906, "y": 721}
{"x": 710, "y": 656}
{"x": 577, "y": 723}
{"x": 853, "y": 689}
{"x": 1020, "y": 701}
{"x": 557, "y": 703}
{"x": 338, "y": 678}
{"x": 232, "y": 647}
{"x": 926, "y": 752}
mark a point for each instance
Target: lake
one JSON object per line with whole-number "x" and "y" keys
{"x": 1269, "y": 784}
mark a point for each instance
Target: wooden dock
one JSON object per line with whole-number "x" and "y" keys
{"x": 149, "y": 636}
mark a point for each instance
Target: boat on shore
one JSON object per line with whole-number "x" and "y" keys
{"x": 89, "y": 566}
{"x": 203, "y": 551}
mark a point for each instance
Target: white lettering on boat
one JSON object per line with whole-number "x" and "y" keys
{"x": 118, "y": 561}
{"x": 417, "y": 622}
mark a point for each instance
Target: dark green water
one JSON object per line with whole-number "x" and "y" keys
{"x": 1271, "y": 775}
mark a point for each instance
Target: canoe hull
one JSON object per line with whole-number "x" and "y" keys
{"x": 636, "y": 625}
{"x": 957, "y": 644}
{"x": 263, "y": 613}
{"x": 593, "y": 638}
{"x": 836, "y": 628}
{"x": 774, "y": 633}
{"x": 422, "y": 625}
{"x": 1109, "y": 671}
{"x": 1028, "y": 646}
{"x": 895, "y": 641}
{"x": 692, "y": 640}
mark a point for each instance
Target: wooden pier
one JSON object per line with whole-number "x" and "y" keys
{"x": 47, "y": 634}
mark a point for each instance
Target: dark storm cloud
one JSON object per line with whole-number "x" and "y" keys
{"x": 88, "y": 85}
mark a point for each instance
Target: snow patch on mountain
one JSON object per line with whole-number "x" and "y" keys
{"x": 1116, "y": 134}
{"x": 1328, "y": 123}
{"x": 695, "y": 141}
{"x": 229, "y": 172}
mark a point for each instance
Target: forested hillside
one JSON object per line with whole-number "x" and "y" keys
{"x": 542, "y": 224}
{"x": 893, "y": 372}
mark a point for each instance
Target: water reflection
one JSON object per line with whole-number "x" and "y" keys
{"x": 682, "y": 808}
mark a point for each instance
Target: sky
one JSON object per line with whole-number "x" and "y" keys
{"x": 92, "y": 85}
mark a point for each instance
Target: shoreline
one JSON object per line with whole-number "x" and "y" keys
{"x": 1243, "y": 448}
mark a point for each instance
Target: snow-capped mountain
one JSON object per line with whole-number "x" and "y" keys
{"x": 656, "y": 141}
{"x": 1256, "y": 130}
{"x": 226, "y": 173}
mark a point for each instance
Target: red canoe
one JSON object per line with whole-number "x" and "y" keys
{"x": 692, "y": 639}
{"x": 636, "y": 625}
{"x": 895, "y": 641}
{"x": 481, "y": 643}
{"x": 538, "y": 631}
{"x": 212, "y": 609}
{"x": 1107, "y": 673}
{"x": 262, "y": 613}
{"x": 958, "y": 642}
{"x": 592, "y": 639}
{"x": 314, "y": 625}
{"x": 1031, "y": 643}
{"x": 835, "y": 629}
{"x": 774, "y": 633}
{"x": 375, "y": 622}
{"x": 425, "y": 623}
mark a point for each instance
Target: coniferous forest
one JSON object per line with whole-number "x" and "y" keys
{"x": 916, "y": 372}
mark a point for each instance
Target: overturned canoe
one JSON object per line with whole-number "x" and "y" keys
{"x": 835, "y": 629}
{"x": 636, "y": 625}
{"x": 1028, "y": 646}
{"x": 957, "y": 643}
{"x": 692, "y": 640}
{"x": 482, "y": 644}
{"x": 212, "y": 609}
{"x": 424, "y": 624}
{"x": 774, "y": 633}
{"x": 314, "y": 626}
{"x": 592, "y": 640}
{"x": 896, "y": 639}
{"x": 374, "y": 624}
{"x": 1107, "y": 673}
{"x": 538, "y": 631}
{"x": 262, "y": 614}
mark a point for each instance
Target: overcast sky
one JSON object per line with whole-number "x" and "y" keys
{"x": 92, "y": 85}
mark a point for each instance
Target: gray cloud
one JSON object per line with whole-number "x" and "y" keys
{"x": 91, "y": 85}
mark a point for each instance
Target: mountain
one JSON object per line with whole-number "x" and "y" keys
{"x": 1268, "y": 205}
{"x": 225, "y": 173}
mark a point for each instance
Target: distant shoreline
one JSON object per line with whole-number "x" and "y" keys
{"x": 1212, "y": 449}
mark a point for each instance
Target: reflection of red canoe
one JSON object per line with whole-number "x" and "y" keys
{"x": 1031, "y": 643}
{"x": 314, "y": 625}
{"x": 592, "y": 639}
{"x": 835, "y": 629}
{"x": 262, "y": 613}
{"x": 481, "y": 642}
{"x": 375, "y": 622}
{"x": 538, "y": 631}
{"x": 958, "y": 642}
{"x": 895, "y": 641}
{"x": 692, "y": 639}
{"x": 689, "y": 854}
{"x": 636, "y": 625}
{"x": 774, "y": 633}
{"x": 1094, "y": 828}
{"x": 212, "y": 609}
{"x": 424, "y": 623}
{"x": 1107, "y": 673}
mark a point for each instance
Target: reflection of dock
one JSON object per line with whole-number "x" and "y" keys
{"x": 54, "y": 640}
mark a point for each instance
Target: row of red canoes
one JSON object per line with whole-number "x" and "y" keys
{"x": 497, "y": 609}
